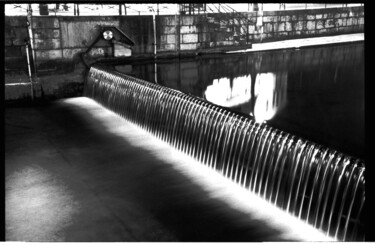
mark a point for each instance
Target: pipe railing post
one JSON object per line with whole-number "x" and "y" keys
{"x": 154, "y": 27}
{"x": 31, "y": 37}
{"x": 29, "y": 70}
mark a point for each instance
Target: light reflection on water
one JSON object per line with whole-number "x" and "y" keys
{"x": 269, "y": 95}
{"x": 314, "y": 93}
{"x": 229, "y": 93}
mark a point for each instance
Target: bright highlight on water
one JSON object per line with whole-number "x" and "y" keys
{"x": 321, "y": 186}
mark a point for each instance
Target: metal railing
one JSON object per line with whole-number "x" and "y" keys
{"x": 75, "y": 9}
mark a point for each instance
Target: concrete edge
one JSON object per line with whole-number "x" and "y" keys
{"x": 301, "y": 45}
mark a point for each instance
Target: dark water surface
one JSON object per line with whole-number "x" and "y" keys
{"x": 314, "y": 93}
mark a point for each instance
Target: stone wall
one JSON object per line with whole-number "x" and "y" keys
{"x": 278, "y": 25}
{"x": 15, "y": 30}
{"x": 58, "y": 40}
{"x": 184, "y": 34}
{"x": 202, "y": 33}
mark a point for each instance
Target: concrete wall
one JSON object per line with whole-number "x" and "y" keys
{"x": 278, "y": 25}
{"x": 59, "y": 40}
{"x": 232, "y": 31}
{"x": 15, "y": 30}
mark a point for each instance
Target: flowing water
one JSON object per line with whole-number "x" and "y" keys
{"x": 314, "y": 93}
{"x": 322, "y": 186}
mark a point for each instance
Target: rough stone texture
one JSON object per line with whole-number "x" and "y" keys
{"x": 283, "y": 34}
{"x": 204, "y": 37}
{"x": 70, "y": 53}
{"x": 99, "y": 52}
{"x": 288, "y": 26}
{"x": 169, "y": 47}
{"x": 16, "y": 21}
{"x": 225, "y": 43}
{"x": 320, "y": 24}
{"x": 298, "y": 25}
{"x": 338, "y": 23}
{"x": 16, "y": 33}
{"x": 257, "y": 37}
{"x": 121, "y": 51}
{"x": 140, "y": 30}
{"x": 281, "y": 27}
{"x": 48, "y": 54}
{"x": 171, "y": 39}
{"x": 188, "y": 29}
{"x": 18, "y": 42}
{"x": 329, "y": 23}
{"x": 8, "y": 42}
{"x": 310, "y": 17}
{"x": 361, "y": 21}
{"x": 45, "y": 22}
{"x": 269, "y": 19}
{"x": 169, "y": 30}
{"x": 268, "y": 27}
{"x": 190, "y": 46}
{"x": 47, "y": 43}
{"x": 189, "y": 38}
{"x": 163, "y": 39}
{"x": 312, "y": 32}
{"x": 61, "y": 38}
{"x": 349, "y": 22}
{"x": 46, "y": 33}
{"x": 243, "y": 30}
{"x": 88, "y": 31}
{"x": 310, "y": 25}
{"x": 17, "y": 92}
{"x": 322, "y": 31}
{"x": 187, "y": 20}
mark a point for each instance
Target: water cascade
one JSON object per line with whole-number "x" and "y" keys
{"x": 321, "y": 186}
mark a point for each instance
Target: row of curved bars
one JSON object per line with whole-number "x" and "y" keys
{"x": 320, "y": 186}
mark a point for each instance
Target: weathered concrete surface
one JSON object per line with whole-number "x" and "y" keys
{"x": 47, "y": 87}
{"x": 68, "y": 178}
{"x": 58, "y": 41}
{"x": 67, "y": 78}
{"x": 305, "y": 42}
{"x": 80, "y": 34}
{"x": 56, "y": 36}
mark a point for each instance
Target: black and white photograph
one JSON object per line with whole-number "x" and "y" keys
{"x": 184, "y": 122}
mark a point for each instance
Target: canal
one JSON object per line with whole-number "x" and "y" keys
{"x": 314, "y": 93}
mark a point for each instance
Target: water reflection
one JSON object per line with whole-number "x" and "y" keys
{"x": 267, "y": 97}
{"x": 229, "y": 93}
{"x": 315, "y": 93}
{"x": 274, "y": 165}
{"x": 270, "y": 95}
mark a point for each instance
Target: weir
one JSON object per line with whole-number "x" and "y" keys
{"x": 320, "y": 186}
